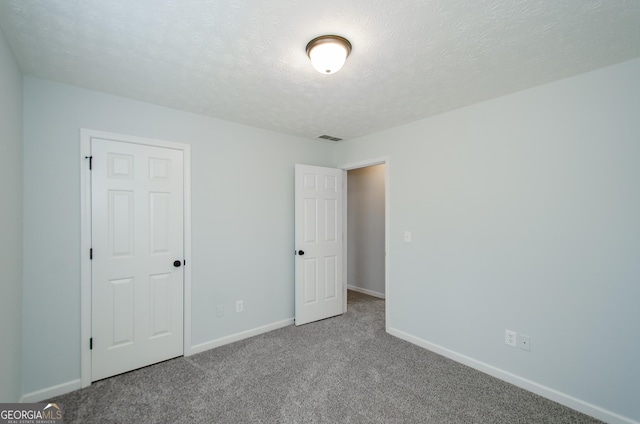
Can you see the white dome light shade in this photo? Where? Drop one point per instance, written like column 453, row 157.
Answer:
column 328, row 53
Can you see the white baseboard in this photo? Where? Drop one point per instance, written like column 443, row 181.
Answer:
column 366, row 291
column 554, row 395
column 61, row 389
column 237, row 337
column 51, row 392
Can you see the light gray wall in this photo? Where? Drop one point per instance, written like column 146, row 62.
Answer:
column 523, row 211
column 10, row 225
column 242, row 218
column 365, row 228
column 525, row 216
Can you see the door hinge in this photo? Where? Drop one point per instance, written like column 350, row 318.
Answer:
column 91, row 254
column 90, row 161
column 91, row 343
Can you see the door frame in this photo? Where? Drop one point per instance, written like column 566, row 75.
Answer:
column 383, row 160
column 85, row 239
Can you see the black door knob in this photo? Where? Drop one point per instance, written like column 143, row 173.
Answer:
column 177, row 264
column 300, row 252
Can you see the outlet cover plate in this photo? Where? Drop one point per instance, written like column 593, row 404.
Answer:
column 511, row 338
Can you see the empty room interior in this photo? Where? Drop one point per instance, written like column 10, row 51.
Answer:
column 472, row 166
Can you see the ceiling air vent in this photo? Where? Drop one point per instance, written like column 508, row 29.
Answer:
column 328, row 137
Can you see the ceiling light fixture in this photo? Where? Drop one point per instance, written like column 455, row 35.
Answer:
column 328, row 53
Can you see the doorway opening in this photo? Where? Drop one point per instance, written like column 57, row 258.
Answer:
column 365, row 230
column 366, row 221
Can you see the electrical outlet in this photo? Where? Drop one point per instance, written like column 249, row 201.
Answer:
column 239, row 306
column 407, row 236
column 525, row 342
column 511, row 338
column 220, row 311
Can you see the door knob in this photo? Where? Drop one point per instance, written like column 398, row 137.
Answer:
column 300, row 252
column 177, row 264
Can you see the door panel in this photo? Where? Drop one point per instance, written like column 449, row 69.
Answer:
column 120, row 216
column 120, row 301
column 318, row 227
column 159, row 222
column 160, row 305
column 330, row 277
column 310, row 280
column 137, row 234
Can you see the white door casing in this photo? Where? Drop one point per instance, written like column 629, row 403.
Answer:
column 385, row 160
column 137, row 226
column 319, row 287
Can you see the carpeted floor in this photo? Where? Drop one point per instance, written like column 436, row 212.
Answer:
column 340, row 370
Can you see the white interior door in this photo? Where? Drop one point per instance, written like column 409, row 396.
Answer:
column 318, row 234
column 137, row 244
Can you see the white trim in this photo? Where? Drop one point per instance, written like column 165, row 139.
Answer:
column 85, row 263
column 68, row 387
column 186, row 350
column 516, row 380
column 345, row 239
column 85, row 240
column 239, row 336
column 362, row 164
column 51, row 392
column 366, row 291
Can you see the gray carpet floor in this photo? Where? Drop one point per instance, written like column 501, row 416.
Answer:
column 345, row 369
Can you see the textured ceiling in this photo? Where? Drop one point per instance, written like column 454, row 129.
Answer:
column 244, row 60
